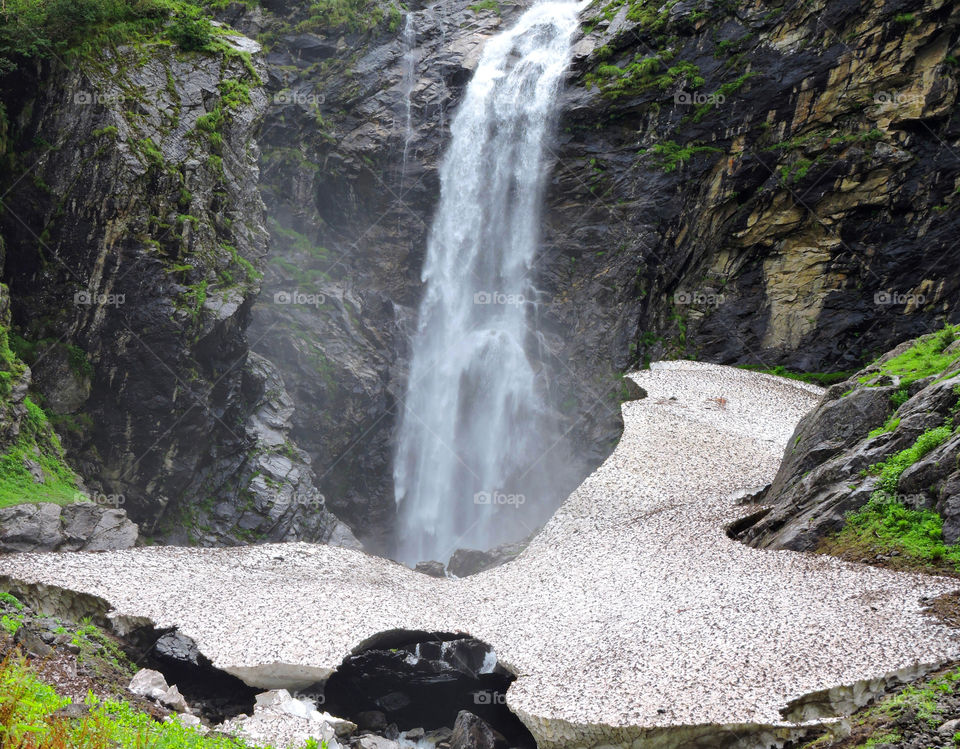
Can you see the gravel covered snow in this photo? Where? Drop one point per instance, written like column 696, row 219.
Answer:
column 631, row 618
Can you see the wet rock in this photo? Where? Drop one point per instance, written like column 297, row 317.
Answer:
column 824, row 474
column 432, row 568
column 372, row 741
column 371, row 720
column 178, row 647
column 471, row 732
column 466, row 562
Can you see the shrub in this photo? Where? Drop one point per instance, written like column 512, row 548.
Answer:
column 191, row 33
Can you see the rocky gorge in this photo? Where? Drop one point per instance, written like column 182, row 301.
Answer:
column 215, row 225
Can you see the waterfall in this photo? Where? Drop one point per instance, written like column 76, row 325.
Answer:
column 408, row 82
column 475, row 464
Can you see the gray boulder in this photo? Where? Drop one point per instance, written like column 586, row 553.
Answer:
column 82, row 526
column 471, row 732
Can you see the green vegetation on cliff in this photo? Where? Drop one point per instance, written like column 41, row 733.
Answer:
column 886, row 526
column 32, row 466
column 64, row 28
column 928, row 356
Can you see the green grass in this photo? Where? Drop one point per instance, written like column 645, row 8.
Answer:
column 886, row 525
column 824, row 379
column 27, row 707
column 892, row 423
column 36, row 440
column 642, row 74
column 923, row 699
column 927, row 357
column 486, row 5
column 38, row 443
column 349, row 15
column 893, row 467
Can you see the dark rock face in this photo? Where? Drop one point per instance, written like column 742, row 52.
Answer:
column 132, row 252
column 803, row 217
column 83, row 526
column 759, row 185
column 822, row 476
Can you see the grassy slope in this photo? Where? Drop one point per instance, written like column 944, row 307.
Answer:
column 36, row 442
column 30, row 698
column 885, row 529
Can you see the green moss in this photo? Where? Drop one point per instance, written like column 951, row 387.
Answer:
column 672, row 155
column 921, row 700
column 642, row 74
column 486, row 5
column 893, row 467
column 234, row 93
column 152, row 155
column 927, row 357
column 109, row 131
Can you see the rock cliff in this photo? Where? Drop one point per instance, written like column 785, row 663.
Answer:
column 744, row 184
column 885, row 440
column 134, row 235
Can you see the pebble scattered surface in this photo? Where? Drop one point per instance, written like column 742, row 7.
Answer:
column 631, row 614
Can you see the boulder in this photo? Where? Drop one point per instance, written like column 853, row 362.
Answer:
column 371, row 720
column 471, row 732
column 466, row 562
column 372, row 741
column 150, row 684
column 431, row 568
column 82, row 526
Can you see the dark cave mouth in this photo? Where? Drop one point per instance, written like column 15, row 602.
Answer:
column 401, row 682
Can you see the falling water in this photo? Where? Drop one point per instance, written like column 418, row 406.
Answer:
column 407, row 83
column 474, row 457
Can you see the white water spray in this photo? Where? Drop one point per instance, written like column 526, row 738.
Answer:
column 474, row 461
column 409, row 80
